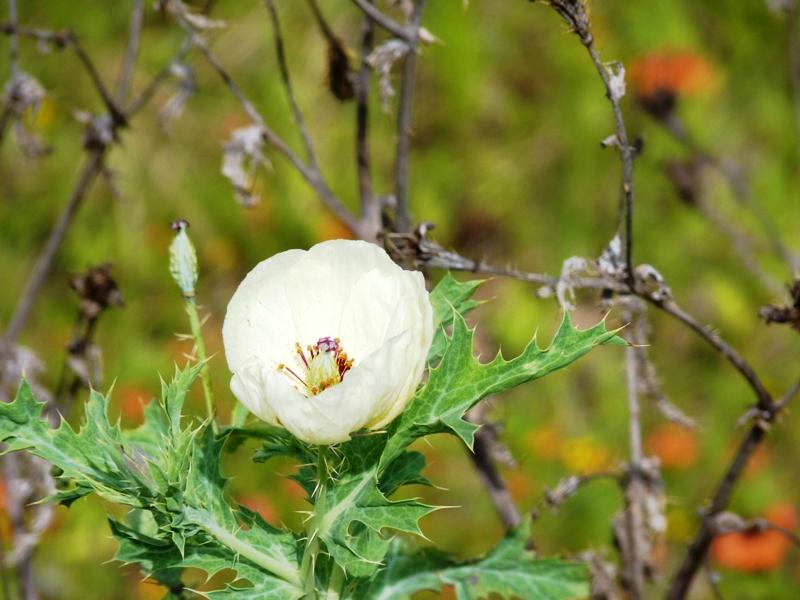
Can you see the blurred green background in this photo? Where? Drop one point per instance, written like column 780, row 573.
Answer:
column 509, row 112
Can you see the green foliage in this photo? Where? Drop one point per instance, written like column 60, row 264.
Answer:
column 170, row 475
column 448, row 298
column 461, row 381
column 509, row 570
column 369, row 468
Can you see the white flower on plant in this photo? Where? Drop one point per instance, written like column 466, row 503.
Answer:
column 329, row 341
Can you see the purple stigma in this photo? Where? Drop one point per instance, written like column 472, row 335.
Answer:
column 179, row 224
column 327, row 344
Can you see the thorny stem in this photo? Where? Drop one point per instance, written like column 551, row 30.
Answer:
column 65, row 393
column 281, row 569
column 287, row 82
column 404, row 121
column 308, row 564
column 487, row 472
column 575, row 15
column 115, row 112
column 634, row 488
column 335, row 583
column 435, row 256
column 702, row 540
column 197, row 334
column 765, row 401
column 370, row 211
column 131, row 52
column 393, row 27
column 147, row 93
column 626, row 155
column 742, row 193
column 311, row 174
column 13, row 39
column 794, row 59
column 91, row 168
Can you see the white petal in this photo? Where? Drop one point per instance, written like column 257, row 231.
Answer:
column 345, row 289
column 259, row 320
column 306, row 418
column 247, row 385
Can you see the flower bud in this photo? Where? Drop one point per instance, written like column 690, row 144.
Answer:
column 183, row 259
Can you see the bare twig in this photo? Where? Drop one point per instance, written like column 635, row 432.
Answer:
column 424, row 251
column 496, row 487
column 59, row 38
column 147, row 93
column 69, row 39
column 575, row 15
column 13, row 39
column 793, row 47
column 97, row 290
column 741, row 192
column 789, row 395
column 326, row 30
column 91, row 168
column 702, row 540
column 370, row 209
column 131, row 52
column 393, row 27
column 742, row 245
column 712, row 578
column 633, row 569
column 298, row 115
column 765, row 401
column 403, row 222
column 111, row 106
column 312, row 175
column 567, row 488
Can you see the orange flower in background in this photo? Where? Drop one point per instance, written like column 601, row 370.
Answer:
column 678, row 72
column 331, row 228
column 757, row 551
column 260, row 504
column 675, row 446
column 150, row 589
column 520, row 485
column 132, row 400
column 545, row 442
column 585, row 455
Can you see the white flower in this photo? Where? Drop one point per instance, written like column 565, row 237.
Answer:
column 329, row 341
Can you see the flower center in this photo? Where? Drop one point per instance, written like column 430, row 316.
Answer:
column 325, row 364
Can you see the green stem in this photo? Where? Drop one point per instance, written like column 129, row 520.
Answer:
column 197, row 333
column 311, row 552
column 281, row 569
column 335, row 583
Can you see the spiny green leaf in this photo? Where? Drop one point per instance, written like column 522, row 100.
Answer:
column 97, row 457
column 207, row 509
column 357, row 511
column 151, row 436
column 509, row 570
column 211, row 557
column 406, row 469
column 174, row 394
column 461, row 381
column 450, row 295
column 277, row 442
